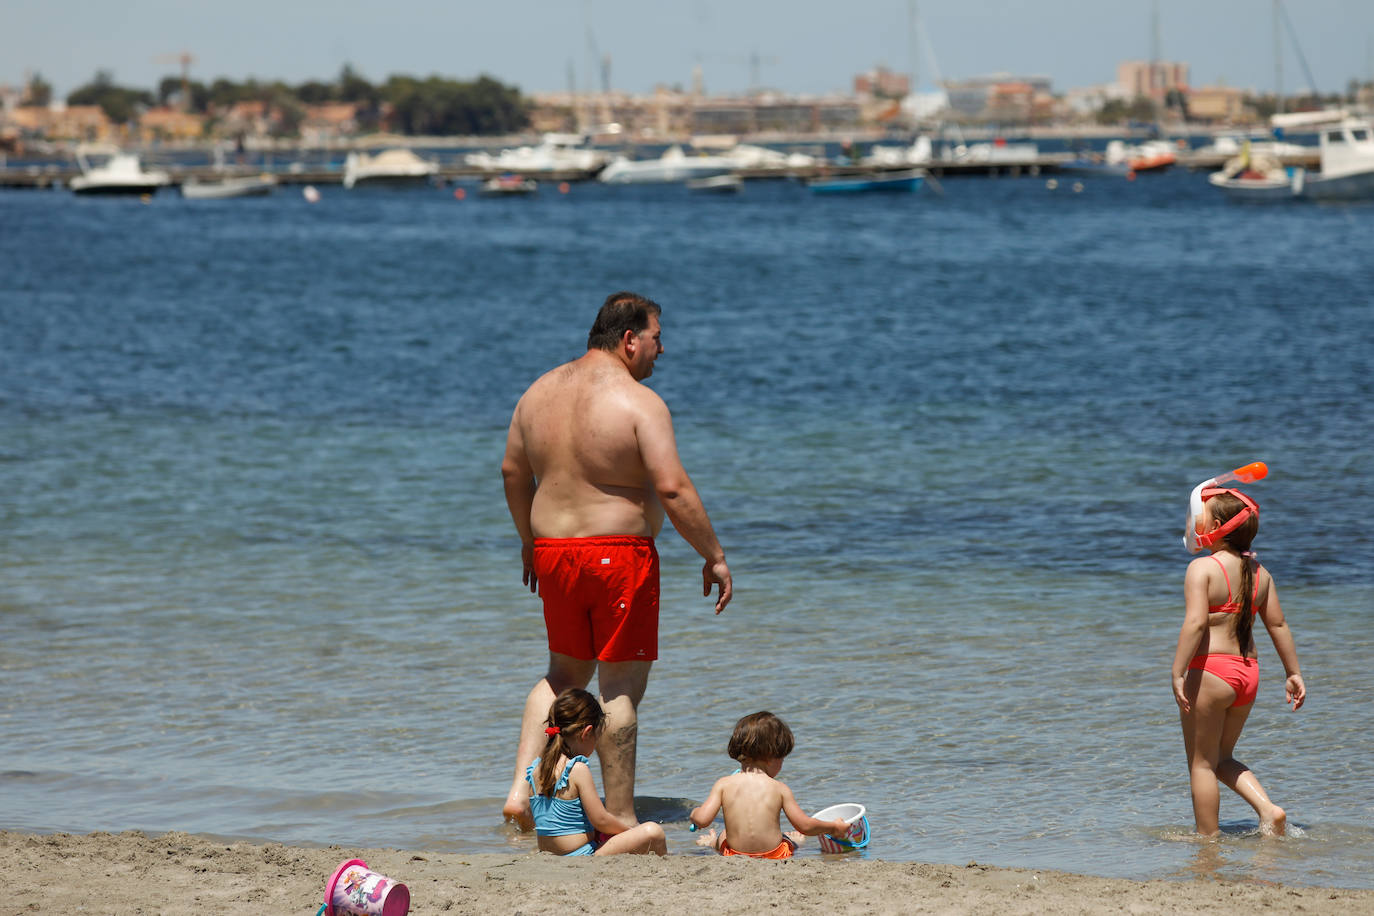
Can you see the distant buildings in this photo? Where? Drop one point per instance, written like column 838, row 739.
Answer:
column 880, row 99
column 1151, row 79
column 60, row 122
column 1001, row 98
column 1218, row 105
column 670, row 113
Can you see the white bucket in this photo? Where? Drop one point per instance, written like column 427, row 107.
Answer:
column 856, row 816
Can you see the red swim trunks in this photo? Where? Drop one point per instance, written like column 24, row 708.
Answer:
column 600, row 596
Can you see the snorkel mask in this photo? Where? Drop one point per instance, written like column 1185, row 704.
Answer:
column 1193, row 537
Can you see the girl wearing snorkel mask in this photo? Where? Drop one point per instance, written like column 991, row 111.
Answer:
column 1215, row 670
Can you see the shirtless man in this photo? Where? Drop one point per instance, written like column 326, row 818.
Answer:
column 591, row 466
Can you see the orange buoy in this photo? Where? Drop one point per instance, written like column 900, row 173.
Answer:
column 564, row 187
column 459, row 193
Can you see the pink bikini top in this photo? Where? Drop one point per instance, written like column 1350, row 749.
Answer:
column 1232, row 606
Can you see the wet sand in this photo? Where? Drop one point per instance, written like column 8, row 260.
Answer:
column 131, row 873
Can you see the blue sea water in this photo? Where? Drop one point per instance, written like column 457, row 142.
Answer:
column 258, row 578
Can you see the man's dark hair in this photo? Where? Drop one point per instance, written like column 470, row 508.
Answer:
column 620, row 312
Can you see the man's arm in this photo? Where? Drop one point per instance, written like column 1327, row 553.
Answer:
column 677, row 495
column 518, row 478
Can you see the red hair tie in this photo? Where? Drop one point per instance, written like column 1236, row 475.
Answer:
column 553, row 730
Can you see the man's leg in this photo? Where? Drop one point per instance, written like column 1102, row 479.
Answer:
column 622, row 687
column 564, row 672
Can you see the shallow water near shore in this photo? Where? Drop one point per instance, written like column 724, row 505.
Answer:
column 259, row 579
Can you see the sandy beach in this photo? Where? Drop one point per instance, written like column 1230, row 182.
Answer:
column 132, row 873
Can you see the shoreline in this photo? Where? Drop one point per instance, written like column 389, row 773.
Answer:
column 176, row 872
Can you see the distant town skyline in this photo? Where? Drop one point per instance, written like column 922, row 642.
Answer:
column 799, row 46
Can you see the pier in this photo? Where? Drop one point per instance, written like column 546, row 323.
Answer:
column 55, row 177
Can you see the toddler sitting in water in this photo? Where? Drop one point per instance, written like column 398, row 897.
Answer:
column 753, row 798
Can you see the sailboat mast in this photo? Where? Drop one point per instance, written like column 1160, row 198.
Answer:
column 1278, row 63
column 911, row 46
column 1157, row 80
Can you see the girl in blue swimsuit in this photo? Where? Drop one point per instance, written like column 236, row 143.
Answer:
column 1215, row 671
column 568, row 812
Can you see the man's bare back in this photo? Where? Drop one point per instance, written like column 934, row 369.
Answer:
column 580, row 428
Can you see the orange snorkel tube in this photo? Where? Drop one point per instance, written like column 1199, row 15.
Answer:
column 1193, row 539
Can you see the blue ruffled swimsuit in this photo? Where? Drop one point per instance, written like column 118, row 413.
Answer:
column 555, row 816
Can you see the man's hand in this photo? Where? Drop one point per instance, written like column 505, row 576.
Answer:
column 527, row 560
column 713, row 573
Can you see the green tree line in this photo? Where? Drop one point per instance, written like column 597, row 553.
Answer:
column 433, row 106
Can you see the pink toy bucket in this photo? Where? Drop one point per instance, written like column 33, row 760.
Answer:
column 856, row 816
column 356, row 890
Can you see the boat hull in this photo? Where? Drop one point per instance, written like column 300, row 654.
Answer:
column 389, row 181
column 653, row 173
column 1254, row 190
column 861, row 184
column 1301, row 186
column 229, row 187
column 109, row 189
column 717, row 184
column 1359, row 186
column 499, row 187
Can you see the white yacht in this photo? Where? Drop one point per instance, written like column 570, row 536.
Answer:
column 673, row 165
column 920, row 152
column 394, row 167
column 122, row 173
column 555, row 153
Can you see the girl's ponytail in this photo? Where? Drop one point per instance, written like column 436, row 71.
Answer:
column 1223, row 506
column 1245, row 626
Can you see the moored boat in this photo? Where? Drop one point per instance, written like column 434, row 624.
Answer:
column 555, row 152
column 907, row 180
column 391, row 168
column 1347, row 164
column 508, row 186
column 673, row 165
column 1253, row 177
column 1346, row 147
column 122, row 173
column 229, row 186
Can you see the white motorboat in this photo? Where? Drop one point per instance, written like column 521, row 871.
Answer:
column 1347, row 164
column 750, row 156
column 1253, row 177
column 229, row 186
column 920, row 152
column 998, row 152
column 673, row 165
column 393, row 168
column 1233, row 143
column 122, row 173
column 555, row 153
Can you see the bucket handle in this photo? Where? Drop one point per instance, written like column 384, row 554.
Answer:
column 842, row 841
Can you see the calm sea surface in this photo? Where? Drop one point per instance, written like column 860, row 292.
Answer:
column 258, row 578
